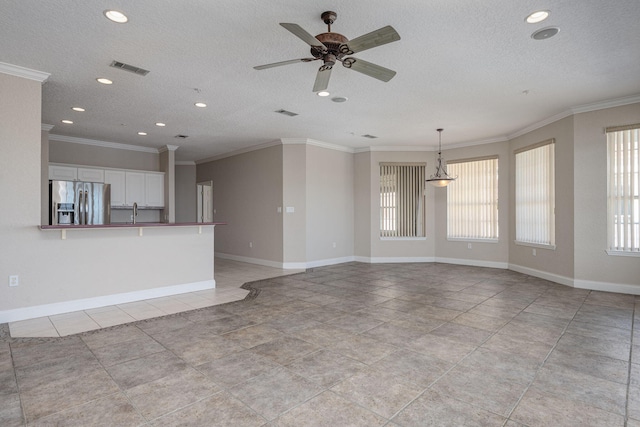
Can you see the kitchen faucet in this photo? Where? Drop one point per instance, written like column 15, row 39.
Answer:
column 135, row 211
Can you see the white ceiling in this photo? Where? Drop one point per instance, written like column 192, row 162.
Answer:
column 468, row 66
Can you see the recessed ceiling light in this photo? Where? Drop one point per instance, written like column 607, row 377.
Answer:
column 69, row 122
column 538, row 16
column 200, row 104
column 80, row 109
column 142, row 133
column 545, row 33
column 160, row 124
column 323, row 93
column 104, row 81
column 116, row 16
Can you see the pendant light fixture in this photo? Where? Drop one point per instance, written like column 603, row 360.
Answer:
column 441, row 178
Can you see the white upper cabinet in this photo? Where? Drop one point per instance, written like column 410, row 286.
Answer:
column 154, row 189
column 117, row 180
column 135, row 188
column 63, row 173
column 90, row 175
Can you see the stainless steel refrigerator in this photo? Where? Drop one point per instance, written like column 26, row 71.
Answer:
column 79, row 203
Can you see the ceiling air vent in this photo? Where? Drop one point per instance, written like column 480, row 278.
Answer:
column 130, row 68
column 286, row 113
column 181, row 136
column 369, row 136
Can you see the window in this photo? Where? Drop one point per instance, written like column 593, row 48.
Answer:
column 472, row 200
column 623, row 187
column 402, row 199
column 535, row 194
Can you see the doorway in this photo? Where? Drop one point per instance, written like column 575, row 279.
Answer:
column 205, row 201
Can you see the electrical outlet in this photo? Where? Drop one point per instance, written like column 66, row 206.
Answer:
column 14, row 280
column 250, row 244
column 468, row 245
column 334, row 244
column 534, row 251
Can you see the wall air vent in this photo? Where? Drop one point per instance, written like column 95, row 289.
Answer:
column 369, row 136
column 181, row 136
column 130, row 68
column 286, row 113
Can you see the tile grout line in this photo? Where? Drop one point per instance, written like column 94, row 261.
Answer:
column 626, row 406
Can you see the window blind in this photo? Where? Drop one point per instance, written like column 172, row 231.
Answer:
column 535, row 194
column 402, row 200
column 472, row 201
column 623, row 188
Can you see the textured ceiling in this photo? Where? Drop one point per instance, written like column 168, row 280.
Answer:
column 467, row 66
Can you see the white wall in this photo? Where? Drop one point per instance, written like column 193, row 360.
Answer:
column 593, row 266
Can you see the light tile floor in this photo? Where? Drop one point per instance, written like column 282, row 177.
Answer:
column 229, row 276
column 352, row 344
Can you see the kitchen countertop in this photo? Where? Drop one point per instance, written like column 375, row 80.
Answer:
column 129, row 225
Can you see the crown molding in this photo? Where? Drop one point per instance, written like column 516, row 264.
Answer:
column 393, row 148
column 168, row 148
column 618, row 102
column 540, row 124
column 105, row 144
column 273, row 143
column 45, row 127
column 27, row 73
column 185, row 163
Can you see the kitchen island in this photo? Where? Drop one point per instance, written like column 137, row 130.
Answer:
column 90, row 266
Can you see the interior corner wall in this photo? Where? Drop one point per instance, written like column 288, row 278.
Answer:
column 294, row 205
column 329, row 205
column 186, row 197
column 362, row 198
column 400, row 250
column 593, row 266
column 555, row 264
column 44, row 177
column 489, row 254
column 247, row 190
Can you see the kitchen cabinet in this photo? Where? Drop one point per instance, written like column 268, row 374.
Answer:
column 90, row 175
column 117, row 180
column 154, row 189
column 63, row 173
column 135, row 188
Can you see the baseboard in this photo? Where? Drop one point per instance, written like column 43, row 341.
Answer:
column 620, row 288
column 473, row 262
column 266, row 263
column 332, row 261
column 25, row 313
column 392, row 260
column 563, row 280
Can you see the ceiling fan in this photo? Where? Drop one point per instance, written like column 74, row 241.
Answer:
column 332, row 47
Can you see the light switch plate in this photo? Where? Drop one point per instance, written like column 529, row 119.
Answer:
column 291, row 209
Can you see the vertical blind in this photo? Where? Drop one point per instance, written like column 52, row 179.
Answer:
column 623, row 200
column 472, row 201
column 535, row 194
column 402, row 199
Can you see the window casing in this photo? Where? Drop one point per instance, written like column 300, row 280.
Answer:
column 535, row 194
column 472, row 200
column 623, row 168
column 402, row 200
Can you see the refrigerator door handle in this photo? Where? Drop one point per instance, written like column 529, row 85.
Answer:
column 81, row 206
column 86, row 207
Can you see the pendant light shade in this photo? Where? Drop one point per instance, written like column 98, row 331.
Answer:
column 441, row 178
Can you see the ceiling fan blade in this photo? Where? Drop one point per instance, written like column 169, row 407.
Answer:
column 303, row 35
column 368, row 68
column 278, row 64
column 375, row 38
column 322, row 79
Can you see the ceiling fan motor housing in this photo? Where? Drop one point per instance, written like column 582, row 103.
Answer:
column 332, row 41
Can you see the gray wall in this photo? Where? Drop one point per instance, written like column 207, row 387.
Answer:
column 186, row 204
column 592, row 263
column 556, row 262
column 247, row 190
column 92, row 155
